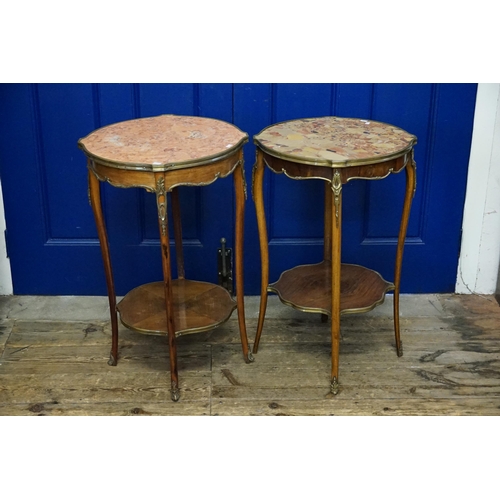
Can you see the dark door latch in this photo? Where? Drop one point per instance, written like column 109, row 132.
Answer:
column 225, row 266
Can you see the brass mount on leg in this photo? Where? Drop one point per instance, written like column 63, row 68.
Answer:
column 337, row 190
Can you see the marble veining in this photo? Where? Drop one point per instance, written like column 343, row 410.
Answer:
column 165, row 139
column 334, row 140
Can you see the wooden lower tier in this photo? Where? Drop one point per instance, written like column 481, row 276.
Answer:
column 309, row 288
column 198, row 307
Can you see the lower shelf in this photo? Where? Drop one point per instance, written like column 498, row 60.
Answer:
column 198, row 307
column 309, row 288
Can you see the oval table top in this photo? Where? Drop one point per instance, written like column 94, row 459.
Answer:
column 163, row 142
column 334, row 141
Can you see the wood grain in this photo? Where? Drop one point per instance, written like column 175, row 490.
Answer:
column 302, row 171
column 451, row 366
column 258, row 178
column 197, row 306
column 309, row 288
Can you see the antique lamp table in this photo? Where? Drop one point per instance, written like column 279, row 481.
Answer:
column 335, row 150
column 159, row 154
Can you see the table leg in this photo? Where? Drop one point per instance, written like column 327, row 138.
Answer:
column 161, row 201
column 327, row 248
column 239, row 189
column 95, row 201
column 336, row 243
column 176, row 215
column 258, row 177
column 410, row 191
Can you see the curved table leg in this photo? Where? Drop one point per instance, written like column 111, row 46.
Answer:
column 176, row 215
column 161, row 201
column 327, row 247
column 336, row 217
column 410, row 191
column 240, row 195
column 95, row 201
column 258, row 195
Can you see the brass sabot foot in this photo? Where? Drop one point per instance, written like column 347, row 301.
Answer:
column 400, row 349
column 175, row 394
column 250, row 358
column 334, row 386
column 112, row 360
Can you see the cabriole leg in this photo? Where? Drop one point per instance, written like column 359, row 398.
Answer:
column 258, row 177
column 336, row 211
column 161, row 201
column 95, row 202
column 240, row 195
column 410, row 191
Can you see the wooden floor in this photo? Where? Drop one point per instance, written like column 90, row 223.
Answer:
column 451, row 366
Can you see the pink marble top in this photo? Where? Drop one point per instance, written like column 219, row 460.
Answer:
column 163, row 140
column 334, row 140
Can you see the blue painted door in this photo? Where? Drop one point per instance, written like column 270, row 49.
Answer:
column 51, row 237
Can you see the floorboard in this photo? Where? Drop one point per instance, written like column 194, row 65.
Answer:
column 451, row 366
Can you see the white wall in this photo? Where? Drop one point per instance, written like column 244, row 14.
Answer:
column 480, row 252
column 5, row 275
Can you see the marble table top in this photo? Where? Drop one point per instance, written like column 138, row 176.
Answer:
column 331, row 140
column 163, row 141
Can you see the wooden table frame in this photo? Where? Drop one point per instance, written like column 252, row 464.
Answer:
column 161, row 182
column 334, row 178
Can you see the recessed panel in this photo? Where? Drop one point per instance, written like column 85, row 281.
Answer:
column 383, row 209
column 117, row 102
column 167, row 98
column 63, row 114
column 353, row 100
column 293, row 100
column 410, row 107
column 296, row 208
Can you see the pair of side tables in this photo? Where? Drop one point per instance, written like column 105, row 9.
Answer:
column 162, row 153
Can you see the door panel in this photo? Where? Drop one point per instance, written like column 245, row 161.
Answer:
column 51, row 235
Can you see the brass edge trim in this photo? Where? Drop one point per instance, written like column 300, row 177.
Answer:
column 298, row 178
column 332, row 164
column 164, row 167
column 390, row 171
column 414, row 166
column 294, row 306
column 361, row 310
column 180, row 332
column 389, row 287
column 102, row 178
column 329, row 163
column 295, row 177
column 217, row 176
column 377, row 178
